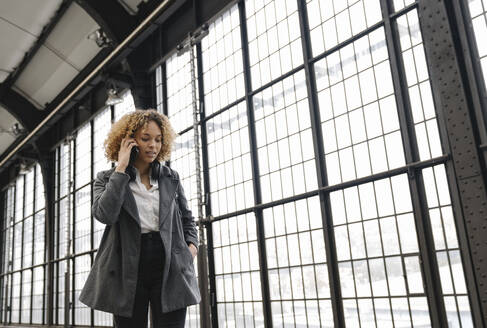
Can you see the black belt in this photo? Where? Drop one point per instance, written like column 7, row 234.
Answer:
column 151, row 235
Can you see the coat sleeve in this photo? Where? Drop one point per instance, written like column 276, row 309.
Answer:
column 108, row 196
column 189, row 226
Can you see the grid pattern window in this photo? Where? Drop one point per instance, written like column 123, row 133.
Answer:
column 82, row 224
column 19, row 198
column 29, row 193
column 126, row 106
column 284, row 140
column 222, row 62
column 378, row 255
column 63, row 214
column 400, row 4
column 82, row 313
column 15, row 298
column 274, row 39
column 38, row 295
column 446, row 247
column 297, row 265
column 360, row 125
column 229, row 161
column 27, row 243
column 183, row 161
column 82, row 206
column 7, row 238
column 40, row 201
column 102, row 124
column 478, row 13
column 59, row 292
column 19, row 214
column 159, row 86
column 82, row 175
column 103, row 318
column 179, row 91
column 237, row 272
column 333, row 22
column 420, row 95
column 26, row 296
column 39, row 237
column 19, row 246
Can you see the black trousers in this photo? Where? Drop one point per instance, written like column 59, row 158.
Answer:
column 148, row 289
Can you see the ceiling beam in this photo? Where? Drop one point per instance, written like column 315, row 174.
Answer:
column 112, row 17
column 21, row 108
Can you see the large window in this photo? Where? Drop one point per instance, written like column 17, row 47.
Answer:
column 23, row 241
column 478, row 12
column 320, row 132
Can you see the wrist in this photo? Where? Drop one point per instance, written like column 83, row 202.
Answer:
column 120, row 168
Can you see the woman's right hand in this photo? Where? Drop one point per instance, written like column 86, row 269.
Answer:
column 124, row 153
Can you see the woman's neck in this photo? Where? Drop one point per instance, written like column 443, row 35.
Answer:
column 142, row 167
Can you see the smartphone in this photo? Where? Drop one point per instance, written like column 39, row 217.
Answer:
column 133, row 155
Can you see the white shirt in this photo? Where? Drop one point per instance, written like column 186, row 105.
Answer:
column 147, row 201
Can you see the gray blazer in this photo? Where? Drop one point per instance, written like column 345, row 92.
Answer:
column 110, row 286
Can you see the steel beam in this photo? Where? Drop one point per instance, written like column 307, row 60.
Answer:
column 451, row 93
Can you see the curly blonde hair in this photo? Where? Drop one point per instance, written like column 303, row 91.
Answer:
column 128, row 125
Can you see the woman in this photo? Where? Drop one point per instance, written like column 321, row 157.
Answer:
column 150, row 240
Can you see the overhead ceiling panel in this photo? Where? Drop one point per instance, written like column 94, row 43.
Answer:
column 69, row 39
column 21, row 23
column 64, row 54
column 44, row 77
column 6, row 123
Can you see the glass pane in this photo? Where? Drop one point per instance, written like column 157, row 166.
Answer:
column 222, row 61
column 377, row 248
column 237, row 272
column 83, row 156
column 179, row 91
column 332, row 22
column 360, row 125
column 296, row 259
column 274, row 39
column 422, row 106
column 284, row 139
column 126, row 106
column 229, row 161
column 478, row 14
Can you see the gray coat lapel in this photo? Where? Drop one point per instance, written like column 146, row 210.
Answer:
column 130, row 205
column 167, row 191
column 129, row 200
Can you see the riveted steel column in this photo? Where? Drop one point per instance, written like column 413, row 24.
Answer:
column 450, row 92
column 429, row 264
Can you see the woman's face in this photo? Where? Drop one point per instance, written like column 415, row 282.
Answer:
column 149, row 139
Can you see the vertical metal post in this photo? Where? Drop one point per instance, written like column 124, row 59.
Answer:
column 9, row 261
column 453, row 97
column 67, row 272
column 325, row 206
column 429, row 263
column 203, row 254
column 207, row 271
column 255, row 169
column 189, row 45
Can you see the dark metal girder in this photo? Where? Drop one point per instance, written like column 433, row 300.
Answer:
column 21, row 108
column 114, row 20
